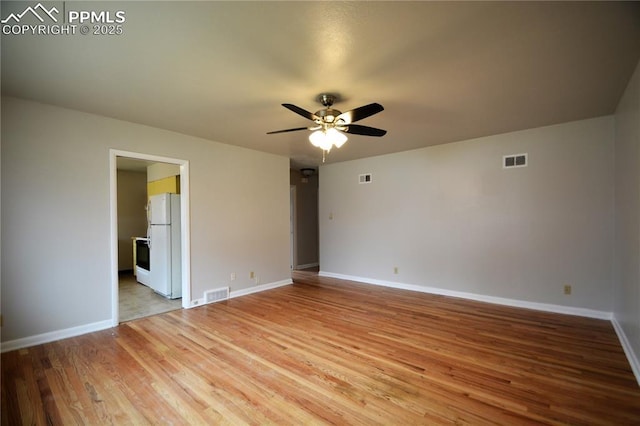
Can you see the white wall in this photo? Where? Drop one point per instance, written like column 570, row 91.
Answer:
column 627, row 188
column 450, row 217
column 55, row 214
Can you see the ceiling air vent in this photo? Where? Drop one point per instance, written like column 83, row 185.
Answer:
column 364, row 178
column 517, row 160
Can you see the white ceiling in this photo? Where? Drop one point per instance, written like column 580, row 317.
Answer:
column 444, row 71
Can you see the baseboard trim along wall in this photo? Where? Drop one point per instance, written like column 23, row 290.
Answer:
column 559, row 309
column 55, row 335
column 103, row 325
column 259, row 288
column 307, row 265
column 39, row 339
column 589, row 313
column 628, row 350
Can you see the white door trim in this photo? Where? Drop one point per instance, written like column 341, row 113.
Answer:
column 293, row 235
column 185, row 223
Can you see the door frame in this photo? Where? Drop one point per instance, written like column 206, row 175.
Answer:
column 293, row 234
column 185, row 223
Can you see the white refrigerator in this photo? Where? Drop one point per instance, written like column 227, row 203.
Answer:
column 165, row 272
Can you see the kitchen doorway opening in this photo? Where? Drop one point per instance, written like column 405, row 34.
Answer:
column 130, row 298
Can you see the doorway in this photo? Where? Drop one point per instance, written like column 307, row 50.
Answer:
column 304, row 233
column 292, row 227
column 130, row 299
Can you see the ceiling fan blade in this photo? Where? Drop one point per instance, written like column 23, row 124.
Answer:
column 287, row 130
column 355, row 129
column 303, row 112
column 360, row 113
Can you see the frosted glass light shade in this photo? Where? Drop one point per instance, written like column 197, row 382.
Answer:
column 325, row 139
column 336, row 137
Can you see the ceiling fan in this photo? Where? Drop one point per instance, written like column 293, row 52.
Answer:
column 331, row 124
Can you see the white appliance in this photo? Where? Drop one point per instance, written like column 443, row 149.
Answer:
column 142, row 261
column 165, row 272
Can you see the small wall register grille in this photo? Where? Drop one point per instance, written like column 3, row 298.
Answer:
column 516, row 160
column 364, row 178
column 216, row 295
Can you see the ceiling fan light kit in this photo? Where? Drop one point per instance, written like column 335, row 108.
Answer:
column 326, row 139
column 331, row 125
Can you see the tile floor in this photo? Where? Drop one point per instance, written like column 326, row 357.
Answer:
column 137, row 300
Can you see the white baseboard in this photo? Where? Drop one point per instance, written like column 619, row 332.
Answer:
column 590, row 313
column 307, row 265
column 259, row 288
column 628, row 350
column 559, row 309
column 55, row 335
column 102, row 325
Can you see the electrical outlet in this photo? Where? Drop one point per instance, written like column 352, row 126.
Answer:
column 567, row 289
column 395, row 269
column 233, row 276
column 252, row 275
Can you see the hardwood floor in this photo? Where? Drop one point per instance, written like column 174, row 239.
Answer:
column 325, row 351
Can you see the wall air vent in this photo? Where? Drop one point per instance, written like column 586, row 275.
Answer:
column 216, row 295
column 364, row 178
column 517, row 160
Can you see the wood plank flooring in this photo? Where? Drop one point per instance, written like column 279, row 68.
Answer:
column 325, row 351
